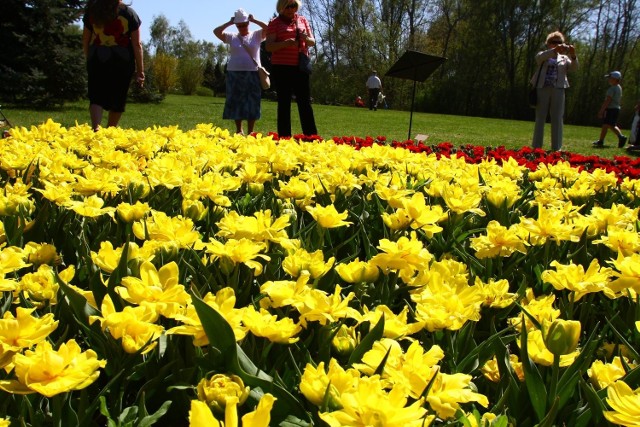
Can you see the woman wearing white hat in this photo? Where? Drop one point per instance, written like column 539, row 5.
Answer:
column 243, row 83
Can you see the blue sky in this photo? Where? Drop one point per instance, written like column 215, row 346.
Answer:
column 201, row 16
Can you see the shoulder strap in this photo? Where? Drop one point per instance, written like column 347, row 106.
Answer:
column 248, row 52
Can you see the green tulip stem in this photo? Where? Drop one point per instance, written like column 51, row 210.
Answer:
column 555, row 374
column 57, row 403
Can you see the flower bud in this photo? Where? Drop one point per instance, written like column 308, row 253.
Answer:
column 44, row 253
column 256, row 188
column 130, row 213
column 562, row 336
column 344, row 341
column 139, row 190
column 194, row 209
column 219, row 388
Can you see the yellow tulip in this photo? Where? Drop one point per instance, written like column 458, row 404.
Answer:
column 50, row 372
column 131, row 213
column 369, row 404
column 262, row 415
column 218, row 389
column 301, row 261
column 41, row 286
column 345, row 340
column 328, row 216
column 200, row 415
column 41, row 253
column 264, row 324
column 540, row 354
column 23, row 331
column 358, row 271
column 604, row 374
column 157, row 289
column 625, row 403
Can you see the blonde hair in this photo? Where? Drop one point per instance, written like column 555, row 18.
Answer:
column 282, row 4
column 555, row 34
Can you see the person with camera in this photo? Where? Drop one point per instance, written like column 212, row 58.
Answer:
column 550, row 80
column 289, row 37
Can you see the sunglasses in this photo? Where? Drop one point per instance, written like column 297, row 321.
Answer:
column 242, row 25
column 291, row 6
column 555, row 42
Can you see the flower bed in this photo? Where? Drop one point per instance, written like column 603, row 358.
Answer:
column 186, row 277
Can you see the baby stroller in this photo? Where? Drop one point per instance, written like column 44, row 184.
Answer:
column 5, row 125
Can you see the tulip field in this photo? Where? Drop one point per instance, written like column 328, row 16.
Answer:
column 201, row 278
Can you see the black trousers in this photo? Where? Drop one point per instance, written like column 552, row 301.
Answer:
column 289, row 81
column 373, row 98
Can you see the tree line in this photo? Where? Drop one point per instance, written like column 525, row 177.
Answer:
column 489, row 45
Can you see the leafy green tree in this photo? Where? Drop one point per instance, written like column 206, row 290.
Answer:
column 41, row 60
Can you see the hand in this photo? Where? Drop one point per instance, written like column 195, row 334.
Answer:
column 251, row 17
column 140, row 78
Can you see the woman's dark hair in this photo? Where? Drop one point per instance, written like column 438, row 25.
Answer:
column 103, row 11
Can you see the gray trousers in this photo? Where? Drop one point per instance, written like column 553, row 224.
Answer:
column 550, row 102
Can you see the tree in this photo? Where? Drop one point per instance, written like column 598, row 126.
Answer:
column 41, row 60
column 164, row 68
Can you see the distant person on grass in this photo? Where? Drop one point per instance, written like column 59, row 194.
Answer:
column 610, row 110
column 553, row 64
column 374, row 87
column 113, row 51
column 244, row 92
column 289, row 36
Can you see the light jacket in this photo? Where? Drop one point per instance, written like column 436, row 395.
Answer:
column 565, row 65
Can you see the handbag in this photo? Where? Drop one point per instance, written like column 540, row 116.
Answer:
column 304, row 63
column 533, row 92
column 265, row 81
column 263, row 74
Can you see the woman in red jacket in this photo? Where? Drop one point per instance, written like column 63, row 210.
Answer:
column 288, row 35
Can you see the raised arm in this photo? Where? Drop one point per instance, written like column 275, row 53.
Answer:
column 259, row 23
column 218, row 31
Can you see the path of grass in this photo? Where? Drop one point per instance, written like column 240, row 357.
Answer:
column 187, row 111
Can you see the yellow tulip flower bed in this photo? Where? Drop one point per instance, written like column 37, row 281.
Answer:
column 198, row 278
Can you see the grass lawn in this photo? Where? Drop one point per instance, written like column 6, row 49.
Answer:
column 187, row 111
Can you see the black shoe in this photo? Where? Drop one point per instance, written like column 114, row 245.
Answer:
column 633, row 148
column 598, row 143
column 621, row 141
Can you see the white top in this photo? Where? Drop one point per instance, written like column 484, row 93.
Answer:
column 374, row 82
column 239, row 59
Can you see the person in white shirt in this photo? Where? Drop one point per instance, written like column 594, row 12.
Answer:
column 244, row 92
column 374, row 86
column 550, row 80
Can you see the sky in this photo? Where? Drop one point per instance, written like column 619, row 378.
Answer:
column 201, row 16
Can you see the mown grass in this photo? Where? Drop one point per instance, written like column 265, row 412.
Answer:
column 188, row 111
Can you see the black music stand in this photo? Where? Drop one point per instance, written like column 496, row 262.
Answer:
column 415, row 66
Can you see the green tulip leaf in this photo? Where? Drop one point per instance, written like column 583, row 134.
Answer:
column 367, row 342
column 532, row 378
